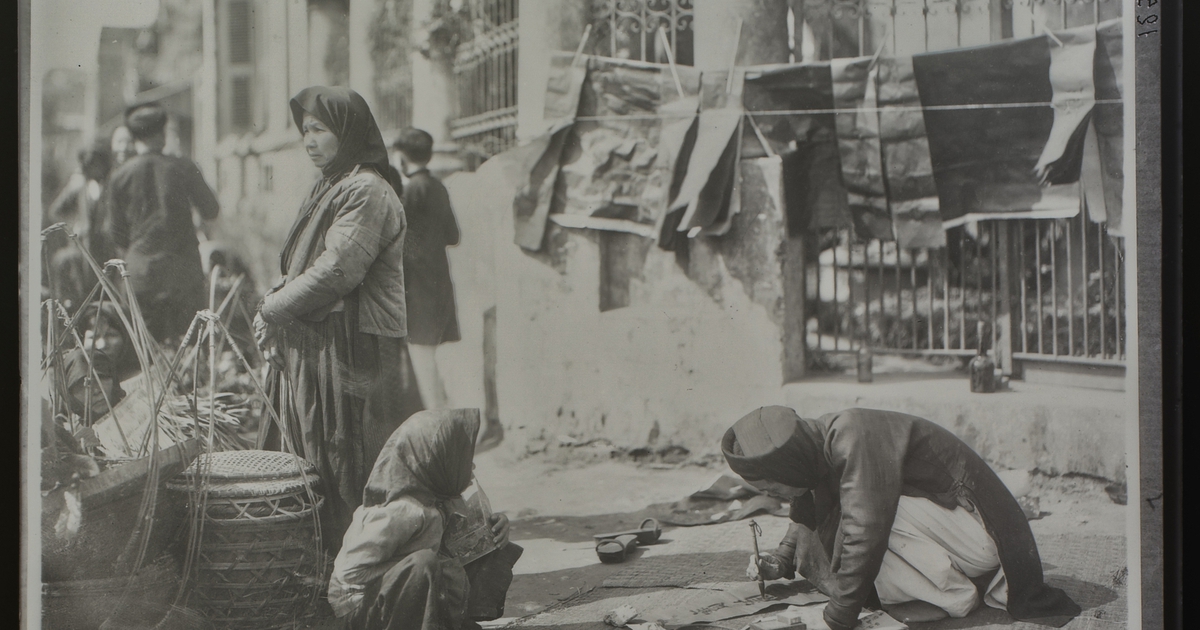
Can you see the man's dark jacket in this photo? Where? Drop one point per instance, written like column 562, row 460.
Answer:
column 864, row 461
column 147, row 214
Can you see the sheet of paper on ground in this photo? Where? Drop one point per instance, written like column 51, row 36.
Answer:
column 736, row 601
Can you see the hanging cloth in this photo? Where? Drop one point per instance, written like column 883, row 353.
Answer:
column 1072, row 59
column 1103, row 175
column 807, row 143
column 532, row 202
column 984, row 157
column 705, row 193
column 678, row 140
column 854, row 95
column 614, row 173
column 908, row 170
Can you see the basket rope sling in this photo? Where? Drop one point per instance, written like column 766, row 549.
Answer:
column 259, row 562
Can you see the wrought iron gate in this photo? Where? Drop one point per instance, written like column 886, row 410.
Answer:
column 485, row 70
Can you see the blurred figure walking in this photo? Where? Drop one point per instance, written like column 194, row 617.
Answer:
column 76, row 206
column 121, row 145
column 147, row 212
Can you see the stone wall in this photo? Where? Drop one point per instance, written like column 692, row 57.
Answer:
column 697, row 349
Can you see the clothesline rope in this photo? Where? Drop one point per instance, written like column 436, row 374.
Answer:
column 813, row 112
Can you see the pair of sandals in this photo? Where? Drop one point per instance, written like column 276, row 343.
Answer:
column 615, row 547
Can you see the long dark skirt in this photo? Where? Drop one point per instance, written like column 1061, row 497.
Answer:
column 341, row 396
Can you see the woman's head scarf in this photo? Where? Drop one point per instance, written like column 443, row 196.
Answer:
column 429, row 458
column 776, row 444
column 347, row 115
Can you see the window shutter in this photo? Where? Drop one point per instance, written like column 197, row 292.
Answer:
column 240, row 26
column 241, row 103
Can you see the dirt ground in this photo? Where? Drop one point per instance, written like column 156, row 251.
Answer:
column 559, row 499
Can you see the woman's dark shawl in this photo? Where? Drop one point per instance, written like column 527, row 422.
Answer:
column 360, row 143
column 347, row 115
column 428, row 458
column 864, row 460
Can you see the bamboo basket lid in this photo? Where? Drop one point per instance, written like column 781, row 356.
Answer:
column 227, row 466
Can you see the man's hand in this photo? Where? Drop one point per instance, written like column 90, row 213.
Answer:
column 766, row 565
column 500, row 528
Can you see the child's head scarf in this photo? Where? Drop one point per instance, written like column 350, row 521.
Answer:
column 430, row 458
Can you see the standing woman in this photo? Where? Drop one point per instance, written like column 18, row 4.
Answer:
column 334, row 328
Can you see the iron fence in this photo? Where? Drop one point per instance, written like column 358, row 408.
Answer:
column 627, row 29
column 1032, row 288
column 1046, row 289
column 485, row 71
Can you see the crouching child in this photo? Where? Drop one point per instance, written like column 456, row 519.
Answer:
column 394, row 570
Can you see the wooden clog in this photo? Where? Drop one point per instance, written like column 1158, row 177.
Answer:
column 647, row 533
column 614, row 550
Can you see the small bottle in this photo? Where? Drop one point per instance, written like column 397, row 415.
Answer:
column 865, row 366
column 982, row 369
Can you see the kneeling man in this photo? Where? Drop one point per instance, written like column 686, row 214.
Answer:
column 890, row 509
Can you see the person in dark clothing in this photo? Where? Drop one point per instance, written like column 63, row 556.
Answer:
column 429, row 291
column 889, row 509
column 147, row 211
column 77, row 204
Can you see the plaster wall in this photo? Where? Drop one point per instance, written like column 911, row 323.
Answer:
column 693, row 348
column 260, row 195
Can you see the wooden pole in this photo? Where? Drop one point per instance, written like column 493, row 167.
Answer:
column 662, row 30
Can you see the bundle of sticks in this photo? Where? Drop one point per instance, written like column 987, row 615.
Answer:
column 183, row 417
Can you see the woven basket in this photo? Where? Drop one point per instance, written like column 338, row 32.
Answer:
column 248, row 466
column 259, row 561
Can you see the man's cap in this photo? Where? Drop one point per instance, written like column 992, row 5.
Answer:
column 145, row 121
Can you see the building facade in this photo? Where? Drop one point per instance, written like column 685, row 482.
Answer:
column 600, row 334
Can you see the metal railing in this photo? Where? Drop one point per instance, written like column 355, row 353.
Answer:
column 626, row 29
column 1044, row 289
column 1036, row 289
column 485, row 71
column 1071, row 290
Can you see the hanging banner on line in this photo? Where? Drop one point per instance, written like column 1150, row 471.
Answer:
column 912, row 193
column 854, row 95
column 807, row 143
column 618, row 160
column 534, row 198
column 1107, row 172
column 984, row 154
